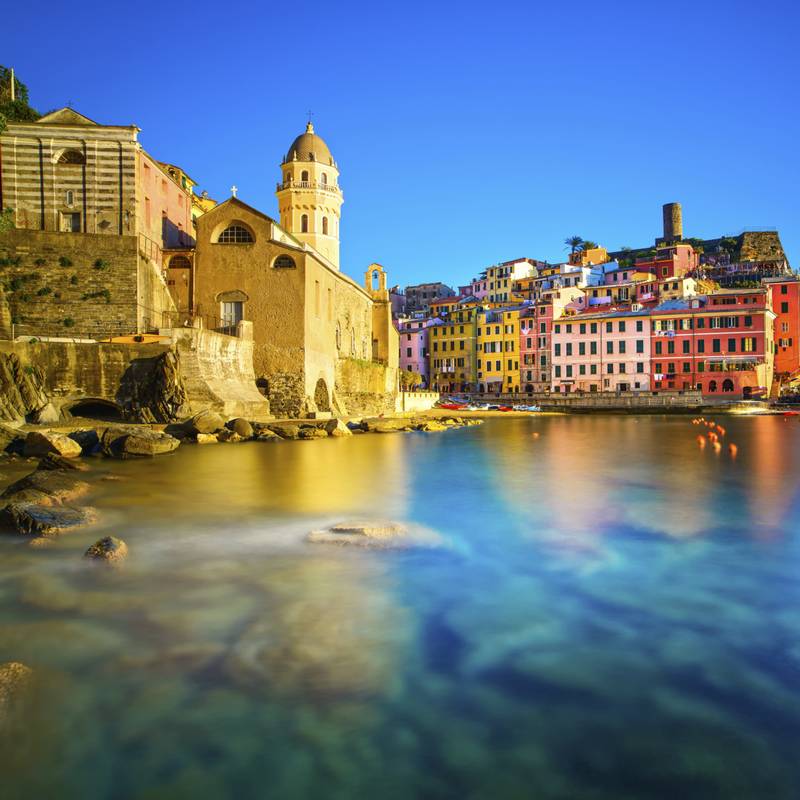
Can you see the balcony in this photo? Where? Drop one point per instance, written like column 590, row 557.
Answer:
column 314, row 185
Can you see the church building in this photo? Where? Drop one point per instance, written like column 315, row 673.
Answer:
column 322, row 342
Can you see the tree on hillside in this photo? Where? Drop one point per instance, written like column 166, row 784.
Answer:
column 573, row 242
column 18, row 109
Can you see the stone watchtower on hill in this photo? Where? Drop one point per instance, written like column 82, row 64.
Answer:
column 309, row 197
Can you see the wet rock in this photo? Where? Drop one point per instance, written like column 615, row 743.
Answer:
column 60, row 486
column 152, row 390
column 15, row 678
column 376, row 534
column 355, row 426
column 88, row 439
column 136, row 442
column 381, row 425
column 205, row 422
column 11, row 440
column 35, row 519
column 40, row 443
column 312, row 432
column 227, row 435
column 335, row 427
column 207, row 438
column 21, row 388
column 285, row 430
column 242, row 427
column 266, row 435
column 432, row 425
column 177, row 431
column 46, row 415
column 109, row 550
column 54, row 461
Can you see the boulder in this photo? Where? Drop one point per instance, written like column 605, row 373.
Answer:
column 227, row 435
column 15, row 678
column 382, row 425
column 207, row 438
column 60, row 486
column 55, row 461
column 205, row 422
column 285, row 430
column 46, row 415
column 432, row 425
column 130, row 442
column 108, row 550
column 266, row 435
column 35, row 519
column 40, row 443
column 240, row 426
column 88, row 439
column 312, row 432
column 335, row 427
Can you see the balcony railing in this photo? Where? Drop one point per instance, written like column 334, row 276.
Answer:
column 328, row 187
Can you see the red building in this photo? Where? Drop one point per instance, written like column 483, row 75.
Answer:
column 669, row 262
column 785, row 293
column 721, row 344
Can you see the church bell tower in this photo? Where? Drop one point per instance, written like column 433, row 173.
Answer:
column 309, row 197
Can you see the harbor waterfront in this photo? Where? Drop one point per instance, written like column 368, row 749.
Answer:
column 599, row 609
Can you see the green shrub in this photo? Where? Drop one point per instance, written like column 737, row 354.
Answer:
column 64, row 261
column 96, row 295
column 74, row 280
column 69, row 322
column 100, row 264
column 40, row 262
column 43, row 291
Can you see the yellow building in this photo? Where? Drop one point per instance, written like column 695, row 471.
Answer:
column 497, row 340
column 452, row 351
column 309, row 197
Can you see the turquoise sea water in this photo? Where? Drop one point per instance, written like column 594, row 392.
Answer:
column 613, row 614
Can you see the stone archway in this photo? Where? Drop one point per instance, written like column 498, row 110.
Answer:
column 322, row 397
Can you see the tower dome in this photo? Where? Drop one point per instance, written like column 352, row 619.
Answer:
column 309, row 147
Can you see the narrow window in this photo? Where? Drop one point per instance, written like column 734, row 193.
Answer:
column 325, row 226
column 304, row 176
column 304, row 223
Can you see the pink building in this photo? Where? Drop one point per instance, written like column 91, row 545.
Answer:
column 414, row 346
column 601, row 351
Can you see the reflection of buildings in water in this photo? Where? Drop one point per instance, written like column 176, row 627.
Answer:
column 331, row 629
column 770, row 459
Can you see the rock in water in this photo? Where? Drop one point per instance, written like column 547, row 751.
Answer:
column 35, row 519
column 15, row 678
column 109, row 550
column 312, row 432
column 58, row 485
column 129, row 442
column 207, row 438
column 227, row 435
column 242, row 427
column 205, row 422
column 285, row 431
column 376, row 534
column 335, row 427
column 54, row 461
column 40, row 443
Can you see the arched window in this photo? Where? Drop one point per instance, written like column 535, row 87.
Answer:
column 325, row 226
column 235, row 234
column 323, row 179
column 71, row 157
column 284, row 262
column 712, row 386
column 304, row 176
column 727, row 385
column 69, row 199
column 304, row 223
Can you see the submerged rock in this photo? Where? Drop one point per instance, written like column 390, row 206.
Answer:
column 36, row 519
column 109, row 550
column 53, row 461
column 40, row 443
column 376, row 534
column 15, row 678
column 241, row 427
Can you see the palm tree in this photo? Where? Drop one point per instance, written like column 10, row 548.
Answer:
column 587, row 245
column 573, row 242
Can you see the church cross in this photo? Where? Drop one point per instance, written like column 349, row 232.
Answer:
column 234, row 189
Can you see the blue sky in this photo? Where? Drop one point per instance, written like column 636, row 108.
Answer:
column 466, row 134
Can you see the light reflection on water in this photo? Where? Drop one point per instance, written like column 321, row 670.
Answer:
column 613, row 615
